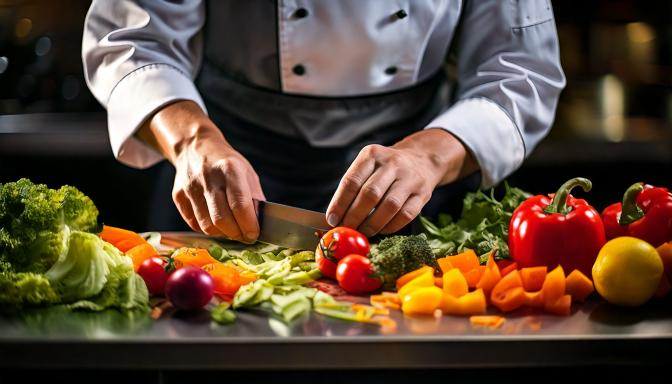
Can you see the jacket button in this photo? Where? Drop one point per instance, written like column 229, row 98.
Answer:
column 299, row 70
column 401, row 14
column 391, row 70
column 301, row 13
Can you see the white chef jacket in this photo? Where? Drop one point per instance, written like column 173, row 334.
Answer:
column 140, row 55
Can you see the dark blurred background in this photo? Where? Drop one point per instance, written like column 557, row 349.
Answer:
column 614, row 121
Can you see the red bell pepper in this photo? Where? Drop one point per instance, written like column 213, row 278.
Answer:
column 563, row 231
column 645, row 213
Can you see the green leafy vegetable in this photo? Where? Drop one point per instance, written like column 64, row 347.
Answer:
column 48, row 254
column 483, row 224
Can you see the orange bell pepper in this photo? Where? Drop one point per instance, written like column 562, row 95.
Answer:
column 533, row 278
column 554, row 286
column 561, row 306
column 424, row 280
column 422, row 301
column 509, row 268
column 140, row 253
column 454, row 283
column 194, row 257
column 473, row 276
column 471, row 303
column 465, row 261
column 490, row 277
column 487, row 321
column 510, row 299
column 412, row 275
column 578, row 285
column 226, row 279
column 444, row 264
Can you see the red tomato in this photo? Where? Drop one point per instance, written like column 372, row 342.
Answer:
column 153, row 271
column 354, row 274
column 336, row 244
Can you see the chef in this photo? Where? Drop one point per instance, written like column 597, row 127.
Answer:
column 362, row 107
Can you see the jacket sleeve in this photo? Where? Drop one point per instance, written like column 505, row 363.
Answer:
column 509, row 81
column 139, row 56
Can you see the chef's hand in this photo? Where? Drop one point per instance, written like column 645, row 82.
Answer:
column 396, row 182
column 214, row 184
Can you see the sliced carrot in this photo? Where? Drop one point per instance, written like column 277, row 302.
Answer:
column 469, row 304
column 490, row 277
column 424, row 280
column 465, row 261
column 140, row 253
column 454, row 283
column 664, row 287
column 561, row 306
column 194, row 257
column 412, row 275
column 509, row 268
column 510, row 299
column 122, row 239
column 533, row 278
column 554, row 286
column 487, row 321
column 578, row 286
column 474, row 276
column 444, row 264
column 422, row 301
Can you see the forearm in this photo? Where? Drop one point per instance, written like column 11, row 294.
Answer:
column 446, row 157
column 178, row 126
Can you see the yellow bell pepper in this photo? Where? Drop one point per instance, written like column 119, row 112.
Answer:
column 422, row 301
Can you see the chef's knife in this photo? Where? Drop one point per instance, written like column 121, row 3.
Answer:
column 290, row 227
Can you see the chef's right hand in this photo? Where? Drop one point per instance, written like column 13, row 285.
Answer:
column 214, row 184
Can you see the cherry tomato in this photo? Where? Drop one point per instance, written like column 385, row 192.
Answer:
column 153, row 271
column 354, row 274
column 336, row 244
column 189, row 288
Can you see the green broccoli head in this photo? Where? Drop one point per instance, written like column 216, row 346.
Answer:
column 34, row 222
column 397, row 255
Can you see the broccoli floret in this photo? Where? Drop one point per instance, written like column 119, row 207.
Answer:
column 397, row 255
column 35, row 222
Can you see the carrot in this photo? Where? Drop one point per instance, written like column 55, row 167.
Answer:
column 412, row 275
column 140, row 253
column 561, row 306
column 510, row 299
column 487, row 321
column 490, row 277
column 578, row 286
column 554, row 286
column 509, row 268
column 122, row 239
column 194, row 257
column 454, row 283
column 465, row 261
column 468, row 304
column 533, row 278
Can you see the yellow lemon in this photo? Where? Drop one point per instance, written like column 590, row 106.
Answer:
column 627, row 271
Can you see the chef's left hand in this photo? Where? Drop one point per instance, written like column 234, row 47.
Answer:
column 396, row 182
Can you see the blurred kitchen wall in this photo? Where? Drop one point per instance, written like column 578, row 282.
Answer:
column 614, row 119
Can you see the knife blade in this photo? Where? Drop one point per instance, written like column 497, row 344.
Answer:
column 290, row 227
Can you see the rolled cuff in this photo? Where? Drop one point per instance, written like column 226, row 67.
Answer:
column 489, row 133
column 134, row 99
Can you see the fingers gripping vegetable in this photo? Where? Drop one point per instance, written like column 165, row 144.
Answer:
column 354, row 274
column 564, row 231
column 336, row 244
column 189, row 288
column 645, row 213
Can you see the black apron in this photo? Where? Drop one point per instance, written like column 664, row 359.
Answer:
column 297, row 144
